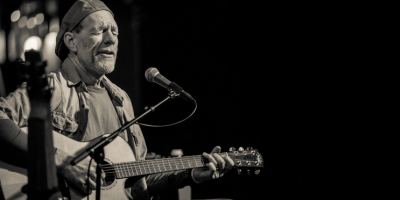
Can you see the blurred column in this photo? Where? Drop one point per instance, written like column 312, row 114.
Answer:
column 49, row 43
column 30, row 25
column 3, row 55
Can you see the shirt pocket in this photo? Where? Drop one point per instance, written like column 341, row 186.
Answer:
column 64, row 123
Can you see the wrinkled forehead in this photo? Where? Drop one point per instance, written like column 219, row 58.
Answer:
column 99, row 19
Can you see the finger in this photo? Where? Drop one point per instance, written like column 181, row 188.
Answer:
column 220, row 160
column 216, row 149
column 92, row 184
column 212, row 172
column 208, row 173
column 103, row 174
column 84, row 188
column 210, row 158
column 228, row 163
column 211, row 167
column 215, row 175
column 93, row 176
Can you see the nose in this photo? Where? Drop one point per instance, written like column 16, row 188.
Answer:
column 110, row 38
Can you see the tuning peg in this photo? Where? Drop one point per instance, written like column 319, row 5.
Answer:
column 257, row 172
column 232, row 149
column 249, row 148
column 239, row 171
column 248, row 171
column 241, row 149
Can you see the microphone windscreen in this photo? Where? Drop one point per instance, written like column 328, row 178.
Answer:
column 151, row 73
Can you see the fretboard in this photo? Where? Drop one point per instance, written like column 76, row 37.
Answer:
column 144, row 167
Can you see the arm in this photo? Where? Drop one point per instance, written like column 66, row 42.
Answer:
column 216, row 168
column 161, row 182
column 14, row 113
column 13, row 139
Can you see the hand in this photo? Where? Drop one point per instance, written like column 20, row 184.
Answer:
column 77, row 174
column 216, row 168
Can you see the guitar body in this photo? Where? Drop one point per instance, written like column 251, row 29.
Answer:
column 119, row 161
column 14, row 178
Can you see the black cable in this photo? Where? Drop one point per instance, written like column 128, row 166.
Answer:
column 149, row 125
column 87, row 180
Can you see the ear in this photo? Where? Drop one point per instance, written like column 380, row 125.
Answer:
column 70, row 42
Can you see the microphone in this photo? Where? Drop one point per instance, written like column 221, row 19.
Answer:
column 153, row 75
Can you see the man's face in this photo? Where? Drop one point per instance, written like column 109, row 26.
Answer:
column 97, row 43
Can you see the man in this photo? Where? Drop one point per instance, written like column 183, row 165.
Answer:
column 85, row 105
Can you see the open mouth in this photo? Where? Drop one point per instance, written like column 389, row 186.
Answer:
column 106, row 53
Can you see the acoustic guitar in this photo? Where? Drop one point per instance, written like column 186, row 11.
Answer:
column 120, row 165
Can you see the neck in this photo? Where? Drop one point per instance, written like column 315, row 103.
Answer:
column 86, row 76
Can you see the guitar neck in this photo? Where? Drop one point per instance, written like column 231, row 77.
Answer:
column 145, row 167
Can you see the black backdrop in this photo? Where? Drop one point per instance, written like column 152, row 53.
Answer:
column 242, row 63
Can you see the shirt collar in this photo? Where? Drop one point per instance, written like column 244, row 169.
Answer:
column 70, row 72
column 73, row 77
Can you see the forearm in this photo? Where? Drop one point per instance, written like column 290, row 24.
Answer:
column 14, row 139
column 161, row 182
column 13, row 143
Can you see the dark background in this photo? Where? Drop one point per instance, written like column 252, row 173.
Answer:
column 242, row 62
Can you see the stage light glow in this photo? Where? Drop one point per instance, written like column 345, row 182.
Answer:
column 54, row 25
column 31, row 23
column 43, row 30
column 33, row 42
column 2, row 46
column 51, row 7
column 12, row 49
column 49, row 44
column 25, row 8
column 39, row 18
column 32, row 6
column 15, row 16
column 22, row 21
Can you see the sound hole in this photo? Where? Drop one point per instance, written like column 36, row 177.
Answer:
column 110, row 173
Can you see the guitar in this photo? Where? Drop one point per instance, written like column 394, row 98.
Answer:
column 119, row 166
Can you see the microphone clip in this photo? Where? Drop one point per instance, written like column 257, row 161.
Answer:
column 172, row 93
column 175, row 88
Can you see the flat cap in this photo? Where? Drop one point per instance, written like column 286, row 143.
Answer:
column 78, row 12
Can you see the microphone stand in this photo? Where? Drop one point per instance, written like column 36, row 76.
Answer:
column 97, row 150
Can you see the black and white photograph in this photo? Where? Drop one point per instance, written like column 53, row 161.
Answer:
column 152, row 100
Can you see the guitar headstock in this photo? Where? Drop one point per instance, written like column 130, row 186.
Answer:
column 36, row 75
column 249, row 159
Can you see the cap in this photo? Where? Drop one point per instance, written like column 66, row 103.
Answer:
column 78, row 12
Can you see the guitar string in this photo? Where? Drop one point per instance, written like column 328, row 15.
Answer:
column 158, row 161
column 184, row 161
column 125, row 169
column 184, row 157
column 155, row 161
column 128, row 168
column 149, row 165
column 188, row 160
column 128, row 171
column 152, row 164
